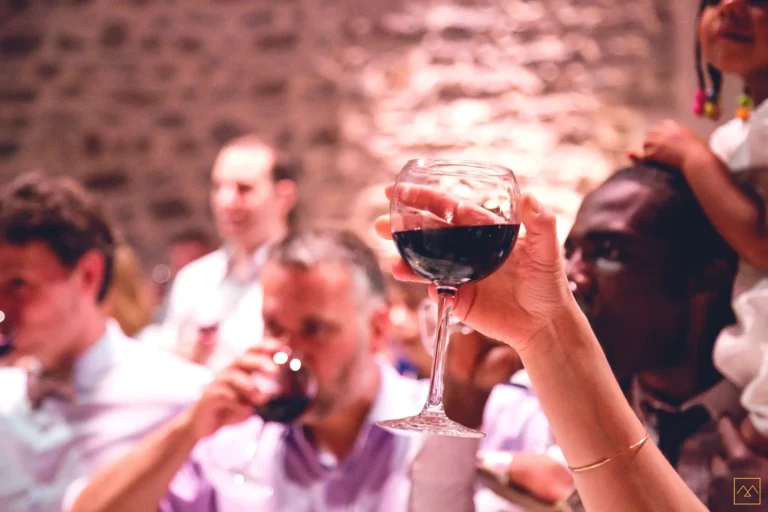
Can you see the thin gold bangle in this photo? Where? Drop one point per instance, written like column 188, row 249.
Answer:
column 602, row 462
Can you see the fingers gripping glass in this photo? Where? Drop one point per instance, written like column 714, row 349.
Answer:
column 292, row 391
column 453, row 222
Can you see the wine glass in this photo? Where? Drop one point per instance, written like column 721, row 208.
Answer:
column 427, row 314
column 6, row 340
column 200, row 326
column 293, row 390
column 452, row 222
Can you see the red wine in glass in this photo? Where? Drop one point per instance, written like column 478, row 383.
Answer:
column 6, row 340
column 296, row 388
column 6, row 344
column 457, row 254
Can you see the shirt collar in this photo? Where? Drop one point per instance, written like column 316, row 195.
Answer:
column 258, row 259
column 97, row 360
column 393, row 400
column 720, row 400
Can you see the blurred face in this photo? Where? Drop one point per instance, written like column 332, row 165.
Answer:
column 182, row 254
column 734, row 36
column 318, row 312
column 42, row 300
column 627, row 282
column 243, row 197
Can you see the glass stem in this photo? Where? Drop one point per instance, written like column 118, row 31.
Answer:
column 241, row 475
column 446, row 295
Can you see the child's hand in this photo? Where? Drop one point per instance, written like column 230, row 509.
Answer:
column 669, row 143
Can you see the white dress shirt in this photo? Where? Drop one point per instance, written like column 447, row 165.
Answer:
column 123, row 391
column 207, row 287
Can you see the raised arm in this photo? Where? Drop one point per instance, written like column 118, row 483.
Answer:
column 141, row 479
column 734, row 213
column 528, row 305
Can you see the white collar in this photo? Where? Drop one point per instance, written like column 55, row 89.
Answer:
column 719, row 400
column 258, row 260
column 95, row 362
column 395, row 398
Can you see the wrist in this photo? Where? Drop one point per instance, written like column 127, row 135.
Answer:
column 564, row 329
column 697, row 156
column 184, row 428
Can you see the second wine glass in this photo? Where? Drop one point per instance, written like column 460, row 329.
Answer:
column 293, row 390
column 453, row 222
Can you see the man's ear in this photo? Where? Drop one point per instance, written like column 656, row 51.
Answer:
column 380, row 329
column 90, row 272
column 286, row 192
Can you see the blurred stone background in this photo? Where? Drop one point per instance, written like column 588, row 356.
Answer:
column 134, row 97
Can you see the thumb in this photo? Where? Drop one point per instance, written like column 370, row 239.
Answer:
column 540, row 232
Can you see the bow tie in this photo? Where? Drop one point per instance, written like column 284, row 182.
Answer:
column 675, row 427
column 42, row 384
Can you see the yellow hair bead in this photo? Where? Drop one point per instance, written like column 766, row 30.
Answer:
column 712, row 110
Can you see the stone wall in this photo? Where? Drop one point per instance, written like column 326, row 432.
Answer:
column 134, row 97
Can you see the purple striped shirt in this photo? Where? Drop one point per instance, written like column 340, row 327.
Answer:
column 289, row 473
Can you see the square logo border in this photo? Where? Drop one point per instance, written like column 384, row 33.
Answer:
column 759, row 491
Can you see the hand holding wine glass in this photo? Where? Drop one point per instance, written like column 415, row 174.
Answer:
column 269, row 380
column 233, row 395
column 527, row 292
column 453, row 222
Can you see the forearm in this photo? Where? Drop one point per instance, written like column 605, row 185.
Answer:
column 140, row 480
column 592, row 420
column 733, row 213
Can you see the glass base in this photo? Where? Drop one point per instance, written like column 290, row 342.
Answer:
column 432, row 423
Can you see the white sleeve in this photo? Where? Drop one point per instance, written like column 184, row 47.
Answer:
column 73, row 492
column 719, row 145
column 443, row 475
column 726, row 138
column 176, row 299
column 757, row 139
column 168, row 334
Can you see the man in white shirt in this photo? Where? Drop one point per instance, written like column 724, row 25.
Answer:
column 214, row 303
column 76, row 393
column 323, row 296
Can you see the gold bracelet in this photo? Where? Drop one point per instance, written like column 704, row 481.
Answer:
column 602, row 462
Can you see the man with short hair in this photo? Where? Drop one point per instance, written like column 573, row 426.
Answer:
column 76, row 392
column 211, row 313
column 654, row 279
column 324, row 297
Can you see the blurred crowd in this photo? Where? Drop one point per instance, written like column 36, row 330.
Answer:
column 123, row 392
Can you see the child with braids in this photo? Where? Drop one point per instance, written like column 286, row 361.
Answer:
column 729, row 178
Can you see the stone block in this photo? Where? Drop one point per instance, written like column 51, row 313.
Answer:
column 107, row 180
column 19, row 45
column 114, row 34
